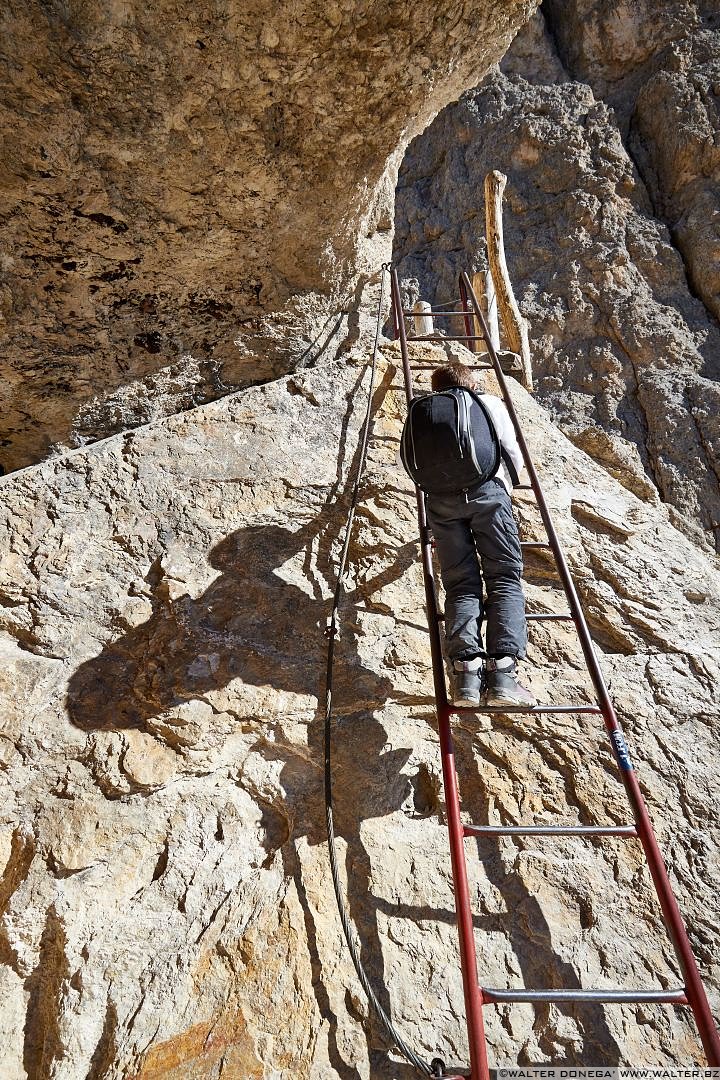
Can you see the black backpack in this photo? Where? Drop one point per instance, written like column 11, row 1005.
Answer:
column 449, row 443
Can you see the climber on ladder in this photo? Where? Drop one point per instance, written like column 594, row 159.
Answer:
column 459, row 447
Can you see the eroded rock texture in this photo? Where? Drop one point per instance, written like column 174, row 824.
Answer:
column 615, row 268
column 178, row 181
column 660, row 71
column 166, row 904
column 191, row 191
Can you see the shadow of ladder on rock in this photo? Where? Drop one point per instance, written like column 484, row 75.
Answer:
column 477, row 996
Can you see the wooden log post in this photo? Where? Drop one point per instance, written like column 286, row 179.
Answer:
column 484, row 289
column 478, row 284
column 515, row 327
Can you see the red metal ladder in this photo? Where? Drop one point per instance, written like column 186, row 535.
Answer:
column 692, row 993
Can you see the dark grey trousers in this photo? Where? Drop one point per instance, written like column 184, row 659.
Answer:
column 480, row 523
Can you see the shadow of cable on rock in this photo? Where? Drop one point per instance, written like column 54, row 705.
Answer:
column 361, row 761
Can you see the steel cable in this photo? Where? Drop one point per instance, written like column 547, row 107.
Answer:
column 348, row 929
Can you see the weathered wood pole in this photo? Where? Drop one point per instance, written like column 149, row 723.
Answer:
column 514, row 325
column 484, row 289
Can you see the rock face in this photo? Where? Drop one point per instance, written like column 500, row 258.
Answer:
column 661, row 77
column 615, row 268
column 166, row 904
column 180, row 180
column 192, row 191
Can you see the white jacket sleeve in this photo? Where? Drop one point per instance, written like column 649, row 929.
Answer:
column 506, row 434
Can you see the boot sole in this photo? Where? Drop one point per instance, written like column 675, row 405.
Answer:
column 467, row 703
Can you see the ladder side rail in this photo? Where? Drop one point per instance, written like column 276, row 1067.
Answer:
column 428, row 571
column 468, row 958
column 673, row 919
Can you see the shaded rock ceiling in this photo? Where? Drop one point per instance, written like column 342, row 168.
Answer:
column 190, row 191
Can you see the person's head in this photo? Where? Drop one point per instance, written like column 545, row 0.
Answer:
column 449, row 375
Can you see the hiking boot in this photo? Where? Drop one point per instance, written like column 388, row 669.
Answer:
column 503, row 688
column 466, row 683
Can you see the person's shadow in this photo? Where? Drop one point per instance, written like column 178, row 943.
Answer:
column 251, row 624
column 256, row 624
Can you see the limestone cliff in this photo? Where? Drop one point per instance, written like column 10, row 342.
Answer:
column 167, row 910
column 610, row 227
column 181, row 179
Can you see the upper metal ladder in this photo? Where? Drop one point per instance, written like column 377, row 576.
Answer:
column 692, row 993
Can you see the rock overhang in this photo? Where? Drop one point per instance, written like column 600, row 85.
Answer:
column 200, row 187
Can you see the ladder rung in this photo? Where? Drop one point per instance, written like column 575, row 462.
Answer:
column 503, row 709
column 442, row 314
column 550, row 617
column 523, row 487
column 473, row 367
column 446, row 337
column 447, row 304
column 550, row 830
column 676, row 997
column 533, row 544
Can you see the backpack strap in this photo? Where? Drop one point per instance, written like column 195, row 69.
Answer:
column 510, row 466
column 507, row 461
